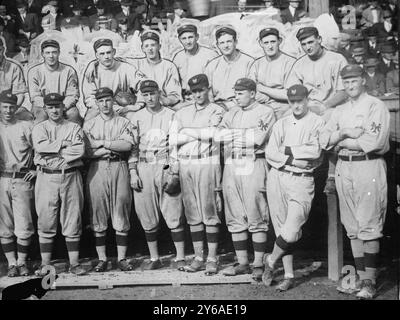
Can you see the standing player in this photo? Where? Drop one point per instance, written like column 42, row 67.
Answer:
column 271, row 71
column 59, row 149
column 53, row 76
column 223, row 71
column 200, row 171
column 108, row 72
column 16, row 187
column 360, row 128
column 149, row 175
column 245, row 130
column 109, row 139
column 161, row 70
column 293, row 151
column 192, row 59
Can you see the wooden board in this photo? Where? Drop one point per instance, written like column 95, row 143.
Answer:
column 335, row 239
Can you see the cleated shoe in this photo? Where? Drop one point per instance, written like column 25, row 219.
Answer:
column 268, row 275
column 285, row 284
column 367, row 291
column 195, row 266
column 77, row 270
column 124, row 265
column 12, row 271
column 236, row 270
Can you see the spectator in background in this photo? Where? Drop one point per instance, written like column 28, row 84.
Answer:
column 52, row 19
column 27, row 23
column 100, row 7
column 24, row 50
column 34, row 6
column 372, row 43
column 179, row 13
column 8, row 39
column 77, row 20
column 385, row 28
column 128, row 14
column 371, row 15
column 344, row 45
column 9, row 21
column 393, row 8
column 392, row 77
column 385, row 63
column 271, row 11
column 292, row 13
column 123, row 30
column 375, row 81
column 358, row 54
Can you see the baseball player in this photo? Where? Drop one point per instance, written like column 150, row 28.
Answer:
column 360, row 129
column 200, row 172
column 293, row 151
column 192, row 59
column 108, row 72
column 53, row 76
column 109, row 141
column 59, row 148
column 271, row 71
column 12, row 79
column 245, row 130
column 223, row 71
column 16, row 187
column 149, row 174
column 319, row 71
column 161, row 70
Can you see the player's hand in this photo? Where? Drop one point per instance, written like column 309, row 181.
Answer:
column 136, row 182
column 30, row 175
column 302, row 164
column 218, row 201
column 352, row 133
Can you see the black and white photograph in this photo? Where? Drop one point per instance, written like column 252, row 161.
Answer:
column 198, row 156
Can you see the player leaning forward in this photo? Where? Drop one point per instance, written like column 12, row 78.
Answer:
column 110, row 139
column 293, row 151
column 245, row 130
column 360, row 129
column 154, row 174
column 16, row 187
column 59, row 148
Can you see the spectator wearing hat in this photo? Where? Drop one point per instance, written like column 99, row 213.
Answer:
column 76, row 20
column 344, row 45
column 385, row 60
column 385, row 28
column 270, row 10
column 9, row 42
column 133, row 21
column 100, row 7
column 179, row 13
column 123, row 30
column 27, row 23
column 52, row 19
column 105, row 70
column 53, row 76
column 371, row 15
column 24, row 50
column 393, row 7
column 292, row 13
column 34, row 6
column 193, row 58
column 271, row 72
column 358, row 55
column 372, row 44
column 162, row 71
column 375, row 81
column 8, row 20
column 224, row 70
column 392, row 77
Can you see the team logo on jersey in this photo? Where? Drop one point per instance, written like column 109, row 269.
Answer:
column 375, row 128
column 262, row 125
column 79, row 137
column 129, row 132
column 293, row 91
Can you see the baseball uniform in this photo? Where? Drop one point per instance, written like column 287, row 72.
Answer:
column 12, row 77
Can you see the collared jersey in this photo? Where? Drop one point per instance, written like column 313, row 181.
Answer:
column 12, row 77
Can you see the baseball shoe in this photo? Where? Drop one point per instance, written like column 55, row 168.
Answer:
column 257, row 273
column 124, row 265
column 77, row 270
column 236, row 270
column 153, row 265
column 101, row 266
column 23, row 270
column 211, row 268
column 285, row 284
column 351, row 290
column 268, row 274
column 12, row 271
column 195, row 266
column 330, row 186
column 180, row 264
column 367, row 291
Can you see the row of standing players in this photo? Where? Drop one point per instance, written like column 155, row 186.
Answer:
column 247, row 125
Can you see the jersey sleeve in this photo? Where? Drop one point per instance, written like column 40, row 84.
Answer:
column 331, row 127
column 172, row 85
column 274, row 157
column 337, row 79
column 294, row 75
column 127, row 133
column 89, row 86
column 18, row 81
column 76, row 150
column 34, row 90
column 72, row 92
column 41, row 141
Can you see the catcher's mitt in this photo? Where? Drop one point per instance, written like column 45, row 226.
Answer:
column 172, row 184
column 124, row 98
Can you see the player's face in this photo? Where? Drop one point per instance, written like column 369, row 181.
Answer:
column 77, row 12
column 311, row 45
column 387, row 55
column 189, row 40
column 294, row 4
column 22, row 10
column 105, row 105
column 244, row 98
column 354, row 86
column 105, row 55
column 371, row 69
column 270, row 45
column 268, row 4
column 152, row 98
column 50, row 56
column 201, row 96
column 100, row 11
column 7, row 111
column 299, row 107
column 151, row 48
column 55, row 113
column 226, row 44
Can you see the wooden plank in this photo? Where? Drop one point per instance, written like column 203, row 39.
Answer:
column 335, row 238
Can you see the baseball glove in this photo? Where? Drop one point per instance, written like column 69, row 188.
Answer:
column 171, row 185
column 124, row 98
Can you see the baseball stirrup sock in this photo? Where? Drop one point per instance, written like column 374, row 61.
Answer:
column 46, row 247
column 8, row 247
column 360, row 263
column 212, row 237
column 151, row 236
column 281, row 243
column 72, row 246
column 121, row 240
column 100, row 241
column 240, row 245
column 178, row 236
column 22, row 249
column 197, row 236
column 260, row 246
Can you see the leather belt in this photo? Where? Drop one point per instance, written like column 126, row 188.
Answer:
column 196, row 156
column 360, row 158
column 14, row 174
column 58, row 171
column 117, row 159
column 254, row 156
column 151, row 159
column 297, row 174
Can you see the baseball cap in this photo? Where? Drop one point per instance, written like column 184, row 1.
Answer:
column 198, row 82
column 103, row 92
column 351, row 70
column 307, row 32
column 8, row 97
column 187, row 28
column 371, row 62
column 227, row 30
column 297, row 92
column 148, row 86
column 245, row 84
column 50, row 43
column 53, row 99
column 149, row 35
column 102, row 42
column 358, row 51
column 21, row 4
column 268, row 31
